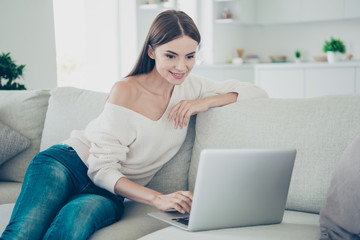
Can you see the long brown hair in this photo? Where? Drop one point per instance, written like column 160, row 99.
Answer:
column 167, row 26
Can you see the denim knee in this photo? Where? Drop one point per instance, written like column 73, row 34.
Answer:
column 83, row 216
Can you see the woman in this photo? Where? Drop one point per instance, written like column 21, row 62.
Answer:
column 73, row 189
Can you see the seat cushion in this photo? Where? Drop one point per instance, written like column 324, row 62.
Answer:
column 319, row 128
column 134, row 224
column 24, row 112
column 295, row 226
column 5, row 213
column 9, row 191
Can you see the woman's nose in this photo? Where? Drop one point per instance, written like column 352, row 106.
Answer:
column 180, row 65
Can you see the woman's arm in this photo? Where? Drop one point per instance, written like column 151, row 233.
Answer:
column 186, row 108
column 181, row 200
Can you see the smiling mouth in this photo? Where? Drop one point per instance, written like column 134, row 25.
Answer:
column 177, row 75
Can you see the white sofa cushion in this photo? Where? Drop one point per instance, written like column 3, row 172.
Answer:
column 135, row 223
column 9, row 191
column 340, row 216
column 319, row 128
column 69, row 108
column 23, row 111
column 5, row 213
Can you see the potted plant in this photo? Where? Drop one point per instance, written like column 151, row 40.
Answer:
column 297, row 56
column 333, row 48
column 9, row 72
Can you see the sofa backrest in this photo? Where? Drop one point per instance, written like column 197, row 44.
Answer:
column 24, row 112
column 72, row 108
column 319, row 128
column 69, row 108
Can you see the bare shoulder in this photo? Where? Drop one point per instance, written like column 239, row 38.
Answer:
column 123, row 92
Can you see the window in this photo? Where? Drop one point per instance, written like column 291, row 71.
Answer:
column 87, row 43
column 97, row 41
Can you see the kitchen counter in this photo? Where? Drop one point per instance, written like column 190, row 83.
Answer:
column 280, row 65
column 298, row 80
column 224, row 65
column 291, row 80
column 307, row 65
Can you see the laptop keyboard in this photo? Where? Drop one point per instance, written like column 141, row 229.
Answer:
column 183, row 220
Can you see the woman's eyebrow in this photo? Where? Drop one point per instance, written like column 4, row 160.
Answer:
column 178, row 54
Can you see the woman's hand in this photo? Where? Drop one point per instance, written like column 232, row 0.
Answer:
column 180, row 201
column 185, row 109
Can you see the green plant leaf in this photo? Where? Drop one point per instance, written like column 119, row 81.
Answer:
column 334, row 45
column 10, row 71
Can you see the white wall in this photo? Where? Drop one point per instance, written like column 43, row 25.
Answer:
column 128, row 51
column 284, row 39
column 27, row 32
column 231, row 42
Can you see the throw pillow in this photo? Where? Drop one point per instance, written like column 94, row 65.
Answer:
column 340, row 216
column 11, row 143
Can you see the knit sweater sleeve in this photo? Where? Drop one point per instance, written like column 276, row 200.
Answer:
column 243, row 89
column 109, row 136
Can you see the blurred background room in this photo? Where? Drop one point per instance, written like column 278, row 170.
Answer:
column 277, row 44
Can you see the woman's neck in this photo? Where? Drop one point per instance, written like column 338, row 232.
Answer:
column 156, row 84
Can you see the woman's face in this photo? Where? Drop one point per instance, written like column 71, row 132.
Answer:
column 175, row 59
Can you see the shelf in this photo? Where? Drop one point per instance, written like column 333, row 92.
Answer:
column 154, row 6
column 227, row 21
column 344, row 64
column 148, row 6
column 225, row 66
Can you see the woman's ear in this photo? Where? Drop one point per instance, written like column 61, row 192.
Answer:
column 151, row 52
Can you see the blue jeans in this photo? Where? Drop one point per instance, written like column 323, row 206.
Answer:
column 59, row 201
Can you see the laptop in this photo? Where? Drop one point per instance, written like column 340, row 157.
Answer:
column 236, row 188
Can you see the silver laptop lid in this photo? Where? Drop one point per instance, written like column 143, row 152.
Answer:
column 241, row 187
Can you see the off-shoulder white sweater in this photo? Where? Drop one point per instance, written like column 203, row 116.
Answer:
column 123, row 143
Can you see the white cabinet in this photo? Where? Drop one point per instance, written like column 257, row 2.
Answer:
column 284, row 11
column 351, row 9
column 308, row 80
column 320, row 82
column 357, row 82
column 225, row 72
column 293, row 11
column 321, row 10
column 242, row 11
column 284, row 83
column 277, row 11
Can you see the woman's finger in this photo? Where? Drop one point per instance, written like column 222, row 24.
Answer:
column 184, row 201
column 188, row 194
column 178, row 113
column 173, row 110
column 181, row 206
column 185, row 116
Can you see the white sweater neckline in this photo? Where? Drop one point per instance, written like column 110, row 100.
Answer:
column 139, row 115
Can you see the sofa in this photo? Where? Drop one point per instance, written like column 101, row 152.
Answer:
column 318, row 128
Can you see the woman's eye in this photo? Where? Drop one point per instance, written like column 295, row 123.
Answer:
column 190, row 57
column 169, row 56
